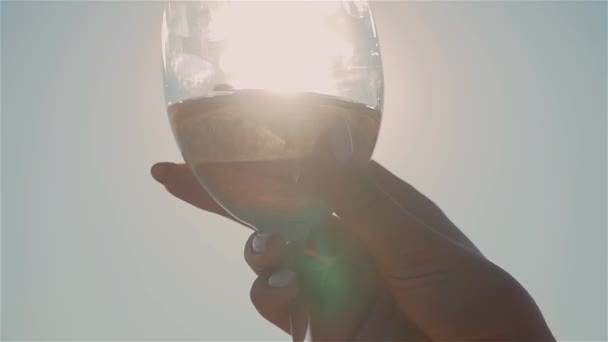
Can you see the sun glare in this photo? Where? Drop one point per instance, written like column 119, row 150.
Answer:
column 324, row 47
column 280, row 46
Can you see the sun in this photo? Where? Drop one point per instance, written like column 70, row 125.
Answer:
column 291, row 46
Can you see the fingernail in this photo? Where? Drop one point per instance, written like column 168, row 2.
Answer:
column 159, row 171
column 341, row 142
column 259, row 241
column 280, row 278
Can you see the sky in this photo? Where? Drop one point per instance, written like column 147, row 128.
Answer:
column 494, row 110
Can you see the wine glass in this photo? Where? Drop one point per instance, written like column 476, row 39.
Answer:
column 252, row 87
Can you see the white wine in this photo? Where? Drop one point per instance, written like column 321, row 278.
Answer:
column 247, row 149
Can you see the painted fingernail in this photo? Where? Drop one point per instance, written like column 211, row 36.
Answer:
column 159, row 171
column 259, row 241
column 280, row 278
column 341, row 142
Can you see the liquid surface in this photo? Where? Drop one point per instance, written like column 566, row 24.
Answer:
column 248, row 148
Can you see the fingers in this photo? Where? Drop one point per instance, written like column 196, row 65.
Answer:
column 417, row 204
column 337, row 292
column 274, row 296
column 265, row 252
column 274, row 291
column 180, row 182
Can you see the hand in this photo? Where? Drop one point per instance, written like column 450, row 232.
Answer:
column 426, row 280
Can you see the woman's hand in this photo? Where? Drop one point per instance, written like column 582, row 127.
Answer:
column 413, row 274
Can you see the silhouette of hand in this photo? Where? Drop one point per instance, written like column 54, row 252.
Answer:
column 409, row 272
